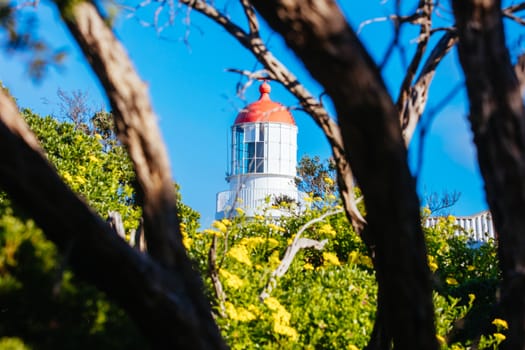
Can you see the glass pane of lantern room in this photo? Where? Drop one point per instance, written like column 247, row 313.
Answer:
column 249, row 133
column 260, row 150
column 262, row 132
column 238, row 150
column 259, row 165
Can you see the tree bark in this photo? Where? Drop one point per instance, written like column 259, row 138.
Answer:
column 497, row 119
column 330, row 50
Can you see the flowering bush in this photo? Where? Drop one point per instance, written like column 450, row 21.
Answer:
column 327, row 298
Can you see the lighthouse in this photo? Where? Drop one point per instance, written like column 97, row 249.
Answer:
column 263, row 160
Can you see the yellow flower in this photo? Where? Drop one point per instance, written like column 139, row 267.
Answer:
column 366, row 261
column 276, row 228
column 98, row 137
column 244, row 315
column 328, row 181
column 186, row 240
column 239, row 211
column 68, row 177
column 239, row 313
column 93, row 158
column 251, row 242
column 281, row 318
column 451, row 281
column 259, row 217
column 352, row 257
column 274, row 260
column 500, row 324
column 451, row 218
column 283, row 329
column 272, row 242
column 308, row 267
column 432, row 264
column 499, row 337
column 226, row 222
column 272, row 303
column 212, row 232
column 331, row 259
column 220, row 226
column 331, row 197
column 471, row 268
column 352, row 347
column 231, row 280
column 440, row 339
column 241, row 254
column 426, row 211
column 328, row 230
column 80, row 179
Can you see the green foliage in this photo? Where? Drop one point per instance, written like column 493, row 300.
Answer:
column 102, row 175
column 250, row 249
column 465, row 272
column 327, row 298
column 316, row 177
column 9, row 343
column 43, row 303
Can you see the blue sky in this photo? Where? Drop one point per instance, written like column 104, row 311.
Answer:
column 196, row 102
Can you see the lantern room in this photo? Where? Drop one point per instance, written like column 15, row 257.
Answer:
column 263, row 157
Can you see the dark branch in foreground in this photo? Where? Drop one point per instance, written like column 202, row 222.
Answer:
column 154, row 296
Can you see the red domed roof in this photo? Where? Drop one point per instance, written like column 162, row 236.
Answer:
column 265, row 110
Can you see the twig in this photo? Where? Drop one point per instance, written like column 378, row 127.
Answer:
column 249, row 11
column 115, row 221
column 414, row 106
column 214, row 275
column 425, row 7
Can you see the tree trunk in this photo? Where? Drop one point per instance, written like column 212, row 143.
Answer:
column 320, row 36
column 160, row 291
column 497, row 118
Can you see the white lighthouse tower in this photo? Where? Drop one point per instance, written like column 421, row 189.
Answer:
column 263, row 159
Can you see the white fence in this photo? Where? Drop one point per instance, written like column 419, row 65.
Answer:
column 478, row 227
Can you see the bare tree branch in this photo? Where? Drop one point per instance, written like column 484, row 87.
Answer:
column 297, row 244
column 519, row 70
column 413, row 18
column 115, row 222
column 414, row 105
column 438, row 202
column 424, row 7
column 136, row 128
column 214, row 275
column 253, row 24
